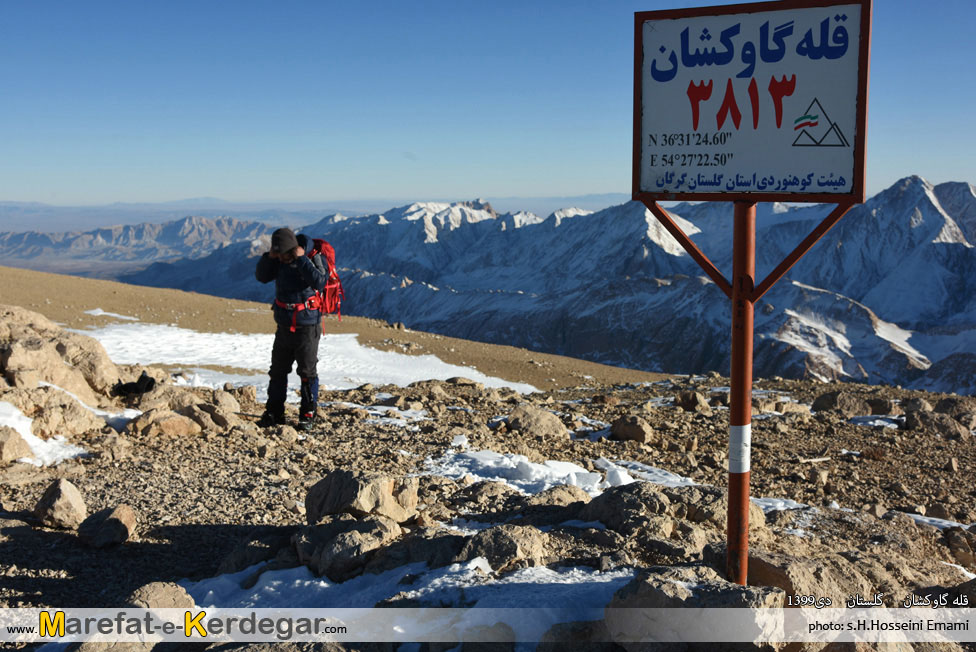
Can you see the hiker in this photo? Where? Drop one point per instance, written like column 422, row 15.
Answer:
column 297, row 279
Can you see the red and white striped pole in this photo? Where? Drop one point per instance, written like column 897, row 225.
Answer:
column 740, row 412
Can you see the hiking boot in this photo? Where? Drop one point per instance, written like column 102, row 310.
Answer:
column 306, row 421
column 270, row 419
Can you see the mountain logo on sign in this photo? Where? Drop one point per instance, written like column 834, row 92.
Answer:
column 817, row 129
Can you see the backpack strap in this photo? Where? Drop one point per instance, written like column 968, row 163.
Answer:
column 314, row 302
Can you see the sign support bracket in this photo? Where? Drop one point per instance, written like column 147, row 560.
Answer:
column 743, row 294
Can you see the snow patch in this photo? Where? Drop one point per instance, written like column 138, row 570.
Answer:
column 45, row 452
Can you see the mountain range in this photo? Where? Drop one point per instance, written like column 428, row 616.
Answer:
column 886, row 297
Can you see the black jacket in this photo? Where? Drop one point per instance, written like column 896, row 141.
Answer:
column 294, row 283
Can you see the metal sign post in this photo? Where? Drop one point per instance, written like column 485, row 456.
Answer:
column 746, row 103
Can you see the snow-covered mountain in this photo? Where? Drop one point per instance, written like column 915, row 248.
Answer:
column 887, row 296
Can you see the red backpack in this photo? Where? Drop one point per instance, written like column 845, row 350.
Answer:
column 331, row 296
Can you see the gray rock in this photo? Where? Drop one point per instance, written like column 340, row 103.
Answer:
column 61, row 506
column 201, row 416
column 340, row 546
column 691, row 401
column 225, row 401
column 53, row 412
column 164, row 422
column 631, row 617
column 483, row 497
column 507, row 547
column 916, row 405
column 938, row 510
column 709, row 506
column 884, row 406
column 108, row 527
column 846, row 403
column 12, row 445
column 160, row 595
column 532, row 421
column 633, row 428
column 936, row 423
column 436, row 547
column 560, row 495
column 360, row 493
column 626, row 508
column 34, row 348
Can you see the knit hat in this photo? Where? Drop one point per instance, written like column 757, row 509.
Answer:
column 283, row 240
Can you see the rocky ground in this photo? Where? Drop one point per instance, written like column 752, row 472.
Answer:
column 193, row 487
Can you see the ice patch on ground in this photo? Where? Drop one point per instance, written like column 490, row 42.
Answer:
column 98, row 312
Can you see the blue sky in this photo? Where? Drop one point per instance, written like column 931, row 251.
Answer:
column 321, row 101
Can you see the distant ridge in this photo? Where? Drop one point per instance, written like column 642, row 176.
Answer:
column 883, row 298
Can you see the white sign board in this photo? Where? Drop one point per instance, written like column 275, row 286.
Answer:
column 751, row 101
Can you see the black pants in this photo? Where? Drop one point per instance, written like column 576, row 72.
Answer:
column 302, row 347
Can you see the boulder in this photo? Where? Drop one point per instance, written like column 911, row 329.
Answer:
column 12, row 445
column 484, row 497
column 829, row 576
column 160, row 595
column 339, row 546
column 246, row 393
column 533, row 421
column 34, row 348
column 626, row 508
column 201, row 417
column 633, row 428
column 225, row 401
column 789, row 407
column 632, row 615
column 360, row 493
column 434, row 546
column 61, row 506
column 221, row 417
column 691, row 401
column 884, row 406
column 916, row 405
column 507, row 547
column 53, row 412
column 460, row 381
column 108, row 527
column 967, row 419
column 764, row 405
column 547, row 508
column 936, row 423
column 709, row 506
column 955, row 406
column 607, row 400
column 25, row 362
column 437, row 394
column 166, row 397
column 847, row 404
column 560, row 495
column 164, row 422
